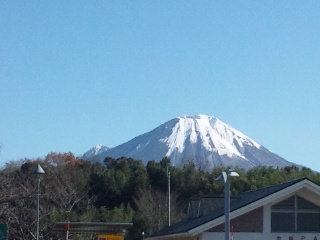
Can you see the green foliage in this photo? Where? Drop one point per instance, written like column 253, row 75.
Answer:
column 123, row 213
column 116, row 183
column 121, row 190
column 157, row 175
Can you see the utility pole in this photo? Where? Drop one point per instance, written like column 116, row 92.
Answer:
column 169, row 197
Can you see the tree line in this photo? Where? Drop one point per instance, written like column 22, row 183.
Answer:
column 120, row 190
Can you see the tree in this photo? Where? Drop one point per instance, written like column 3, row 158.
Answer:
column 118, row 182
column 121, row 190
column 157, row 174
column 123, row 213
column 152, row 211
column 18, row 210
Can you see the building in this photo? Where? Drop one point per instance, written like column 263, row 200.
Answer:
column 287, row 211
column 102, row 230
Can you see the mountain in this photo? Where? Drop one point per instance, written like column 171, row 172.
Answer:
column 206, row 141
column 95, row 151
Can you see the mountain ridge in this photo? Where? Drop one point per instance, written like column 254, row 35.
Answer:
column 203, row 140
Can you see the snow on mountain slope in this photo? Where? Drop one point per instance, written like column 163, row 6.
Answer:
column 95, row 151
column 205, row 141
column 213, row 134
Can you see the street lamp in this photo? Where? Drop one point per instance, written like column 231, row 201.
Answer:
column 226, row 178
column 38, row 170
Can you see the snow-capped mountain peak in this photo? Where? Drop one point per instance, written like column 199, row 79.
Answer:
column 213, row 134
column 95, row 151
column 206, row 141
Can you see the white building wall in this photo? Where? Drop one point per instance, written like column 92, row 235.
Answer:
column 261, row 236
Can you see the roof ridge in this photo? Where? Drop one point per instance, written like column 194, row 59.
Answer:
column 276, row 185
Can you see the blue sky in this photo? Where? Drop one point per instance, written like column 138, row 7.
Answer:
column 74, row 74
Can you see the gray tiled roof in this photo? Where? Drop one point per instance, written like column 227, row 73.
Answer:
column 243, row 200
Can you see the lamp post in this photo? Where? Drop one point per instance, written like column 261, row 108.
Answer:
column 226, row 177
column 38, row 170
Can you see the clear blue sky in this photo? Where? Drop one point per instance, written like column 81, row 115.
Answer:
column 74, row 74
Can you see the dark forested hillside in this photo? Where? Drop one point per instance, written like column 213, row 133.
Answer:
column 121, row 190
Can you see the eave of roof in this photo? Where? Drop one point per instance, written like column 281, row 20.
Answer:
column 93, row 227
